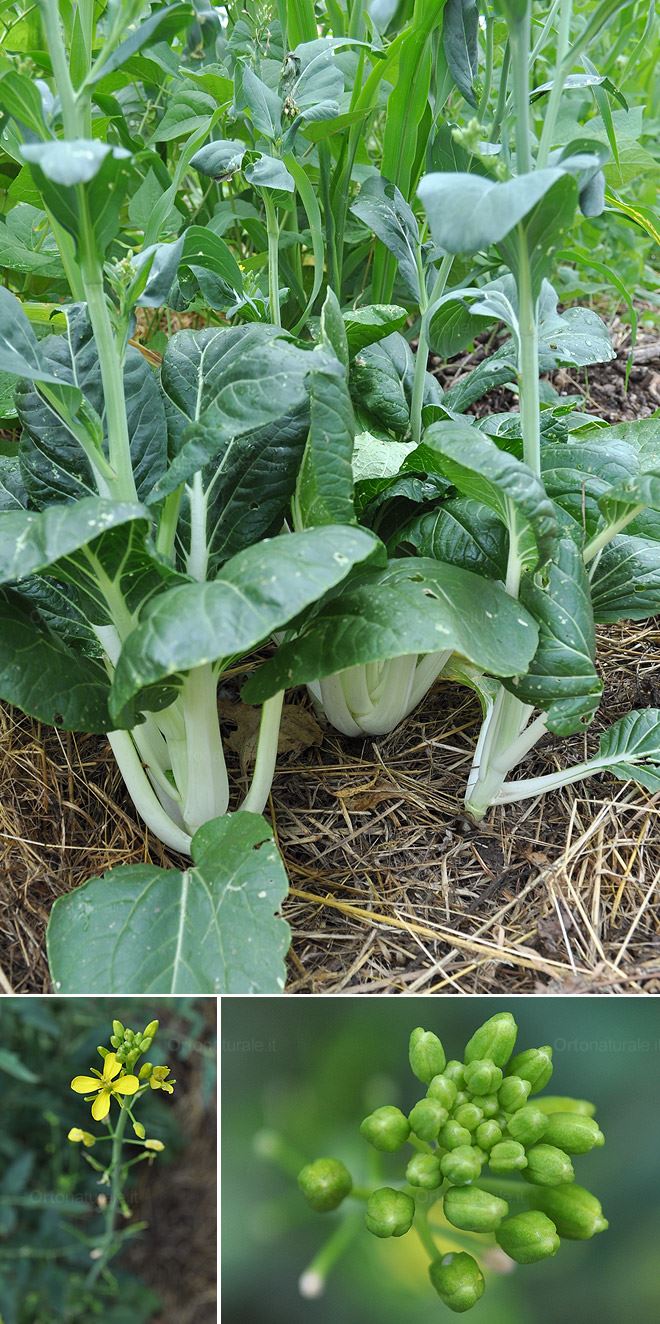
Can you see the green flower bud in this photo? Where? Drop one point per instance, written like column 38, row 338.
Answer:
column 443, row 1090
column 528, row 1237
column 548, row 1166
column 458, row 1280
column 387, row 1128
column 117, row 1030
column 426, row 1055
column 145, row 1043
column 489, row 1104
column 151, row 1029
column 129, row 1036
column 487, row 1134
column 426, row 1118
column 527, row 1125
column 103, row 1052
column 454, row 1071
column 513, row 1093
column 462, row 1096
column 462, row 1165
column 482, row 1077
column 556, row 1103
column 534, row 1065
column 145, row 1071
column 507, row 1156
column 495, row 1039
column 575, row 1134
column 424, row 1170
column 325, row 1183
column 468, row 1115
column 115, row 1041
column 473, row 1210
column 576, row 1213
column 389, row 1213
column 452, row 1134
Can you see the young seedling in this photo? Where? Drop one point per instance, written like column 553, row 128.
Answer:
column 492, row 1165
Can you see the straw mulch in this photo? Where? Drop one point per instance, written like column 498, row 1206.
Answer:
column 392, row 889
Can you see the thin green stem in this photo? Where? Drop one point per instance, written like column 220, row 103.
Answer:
column 421, row 1225
column 502, row 94
column 116, row 1178
column 57, row 51
column 421, row 358
column 312, row 1281
column 110, row 361
column 528, row 359
column 562, row 69
column 273, row 230
column 325, row 164
column 520, row 41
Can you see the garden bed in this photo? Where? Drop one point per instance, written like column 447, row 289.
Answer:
column 392, row 889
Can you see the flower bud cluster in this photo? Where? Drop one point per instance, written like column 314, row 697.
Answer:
column 479, row 1124
column 129, row 1045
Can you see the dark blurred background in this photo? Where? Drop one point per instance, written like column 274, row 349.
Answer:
column 48, row 1193
column 310, row 1069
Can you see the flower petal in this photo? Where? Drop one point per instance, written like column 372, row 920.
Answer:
column 101, row 1106
column 85, row 1084
column 111, row 1067
column 126, row 1085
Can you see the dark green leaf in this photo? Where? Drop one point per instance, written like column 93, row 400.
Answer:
column 412, row 606
column 44, row 677
column 257, row 592
column 561, row 679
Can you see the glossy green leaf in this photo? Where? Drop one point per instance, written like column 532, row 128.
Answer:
column 258, row 591
column 412, row 606
column 365, row 326
column 220, row 159
column 324, row 490
column 33, row 541
column 52, row 460
column 164, row 22
column 269, row 172
column 630, row 749
column 213, row 928
column 59, row 168
column 460, row 532
column 188, row 111
column 479, row 469
column 625, row 583
column 467, row 213
column 43, row 676
column 562, row 679
column 460, row 29
column 383, row 208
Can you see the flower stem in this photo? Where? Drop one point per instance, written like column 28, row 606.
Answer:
column 115, row 1192
column 273, row 231
column 312, row 1281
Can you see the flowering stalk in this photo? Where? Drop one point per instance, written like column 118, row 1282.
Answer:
column 118, row 1082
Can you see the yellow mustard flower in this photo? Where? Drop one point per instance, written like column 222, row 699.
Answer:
column 104, row 1085
column 81, row 1137
column 158, row 1080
